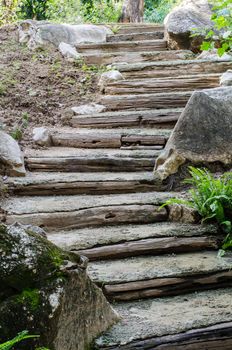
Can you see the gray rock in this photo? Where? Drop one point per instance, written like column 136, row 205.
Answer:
column 226, row 78
column 11, row 159
column 38, row 34
column 109, row 77
column 88, row 109
column 47, row 291
column 202, row 134
column 41, row 136
column 213, row 56
column 180, row 22
column 69, row 52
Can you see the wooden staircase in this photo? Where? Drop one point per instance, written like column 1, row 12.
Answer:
column 94, row 192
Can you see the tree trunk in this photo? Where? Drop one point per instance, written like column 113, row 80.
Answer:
column 132, row 11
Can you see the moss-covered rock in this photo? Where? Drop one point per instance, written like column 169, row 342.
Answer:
column 46, row 290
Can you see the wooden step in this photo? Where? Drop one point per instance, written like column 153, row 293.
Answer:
column 170, row 84
column 66, row 212
column 112, row 242
column 131, row 28
column 163, row 275
column 131, row 46
column 119, row 138
column 94, row 160
column 158, row 118
column 173, row 68
column 36, row 184
column 134, row 57
column 135, row 36
column 194, row 321
column 157, row 100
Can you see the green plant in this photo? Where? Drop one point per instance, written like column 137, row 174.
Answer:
column 212, row 198
column 220, row 37
column 157, row 10
column 20, row 337
column 19, row 128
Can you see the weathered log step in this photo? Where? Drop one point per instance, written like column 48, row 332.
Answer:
column 88, row 238
column 172, row 68
column 163, row 275
column 160, row 118
column 85, row 211
column 131, row 28
column 90, row 160
column 157, row 100
column 135, row 36
column 104, row 245
column 90, row 138
column 194, row 321
column 135, row 57
column 153, row 246
column 170, row 84
column 36, row 184
column 130, row 46
column 143, row 268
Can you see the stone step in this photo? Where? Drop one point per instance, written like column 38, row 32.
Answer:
column 172, row 68
column 135, row 36
column 90, row 160
column 36, row 184
column 78, row 211
column 112, row 242
column 194, row 321
column 143, row 101
column 119, row 138
column 158, row 118
column 170, row 84
column 135, row 57
column 128, row 46
column 156, row 276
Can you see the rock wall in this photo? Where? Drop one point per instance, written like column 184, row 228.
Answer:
column 47, row 291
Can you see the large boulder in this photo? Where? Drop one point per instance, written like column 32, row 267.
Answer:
column 46, row 291
column 202, row 135
column 11, row 159
column 181, row 21
column 40, row 34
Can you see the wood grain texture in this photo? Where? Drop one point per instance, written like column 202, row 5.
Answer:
column 154, row 246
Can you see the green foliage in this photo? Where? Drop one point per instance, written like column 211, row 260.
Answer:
column 19, row 128
column 212, row 198
column 20, row 337
column 157, row 10
column 36, row 9
column 220, row 37
column 8, row 11
column 101, row 11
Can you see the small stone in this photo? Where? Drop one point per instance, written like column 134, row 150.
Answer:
column 69, row 52
column 90, row 108
column 212, row 55
column 42, row 136
column 109, row 77
column 226, row 78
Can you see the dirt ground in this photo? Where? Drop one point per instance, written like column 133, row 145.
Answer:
column 38, row 87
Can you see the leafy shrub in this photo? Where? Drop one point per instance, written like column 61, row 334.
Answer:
column 220, row 37
column 212, row 198
column 156, row 11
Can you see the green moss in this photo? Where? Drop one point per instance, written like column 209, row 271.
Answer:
column 29, row 297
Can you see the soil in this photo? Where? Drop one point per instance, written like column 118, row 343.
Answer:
column 37, row 88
